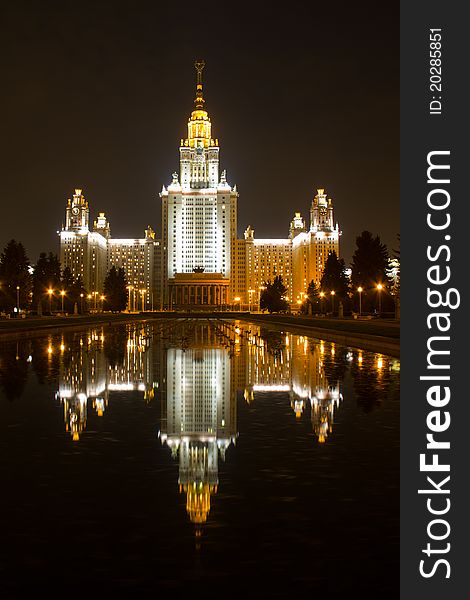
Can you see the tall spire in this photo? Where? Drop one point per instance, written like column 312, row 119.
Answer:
column 199, row 101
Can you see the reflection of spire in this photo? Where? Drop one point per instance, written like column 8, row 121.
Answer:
column 298, row 406
column 75, row 415
column 199, row 421
column 198, row 500
column 93, row 364
column 324, row 403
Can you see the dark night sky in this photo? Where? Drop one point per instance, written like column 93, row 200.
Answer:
column 97, row 95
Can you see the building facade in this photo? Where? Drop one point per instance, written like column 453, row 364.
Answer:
column 199, row 261
column 199, row 219
column 90, row 254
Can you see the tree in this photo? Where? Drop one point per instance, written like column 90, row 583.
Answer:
column 334, row 278
column 370, row 261
column 115, row 289
column 46, row 276
column 73, row 289
column 15, row 278
column 78, row 294
column 394, row 276
column 312, row 299
column 369, row 267
column 394, row 270
column 273, row 296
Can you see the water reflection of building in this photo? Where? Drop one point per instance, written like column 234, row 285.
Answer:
column 202, row 370
column 86, row 375
column 280, row 362
column 199, row 416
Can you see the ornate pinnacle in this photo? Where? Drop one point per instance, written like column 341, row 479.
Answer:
column 199, row 101
column 199, row 64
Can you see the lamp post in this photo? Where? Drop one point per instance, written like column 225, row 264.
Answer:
column 95, row 294
column 81, row 303
column 249, row 299
column 102, row 298
column 322, row 295
column 379, row 290
column 333, row 302
column 50, row 291
column 261, row 287
column 142, row 293
column 129, row 288
column 62, row 293
column 359, row 289
column 18, row 298
column 237, row 301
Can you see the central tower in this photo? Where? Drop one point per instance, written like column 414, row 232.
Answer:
column 199, row 218
column 199, row 152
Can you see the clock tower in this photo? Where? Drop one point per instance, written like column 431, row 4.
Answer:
column 77, row 213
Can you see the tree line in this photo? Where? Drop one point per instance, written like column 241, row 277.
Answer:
column 47, row 288
column 372, row 287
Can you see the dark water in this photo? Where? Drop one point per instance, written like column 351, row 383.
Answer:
column 199, row 458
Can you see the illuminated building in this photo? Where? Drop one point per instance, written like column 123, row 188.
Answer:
column 310, row 248
column 265, row 259
column 199, row 218
column 199, row 261
column 82, row 250
column 91, row 254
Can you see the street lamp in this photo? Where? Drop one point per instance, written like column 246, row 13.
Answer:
column 18, row 297
column 359, row 289
column 333, row 301
column 379, row 290
column 261, row 287
column 50, row 291
column 81, row 303
column 142, row 293
column 249, row 299
column 129, row 288
column 62, row 293
column 322, row 295
column 237, row 301
column 102, row 298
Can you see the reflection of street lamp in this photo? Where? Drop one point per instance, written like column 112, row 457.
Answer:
column 129, row 288
column 50, row 291
column 333, row 301
column 62, row 293
column 322, row 295
column 379, row 289
column 359, row 289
